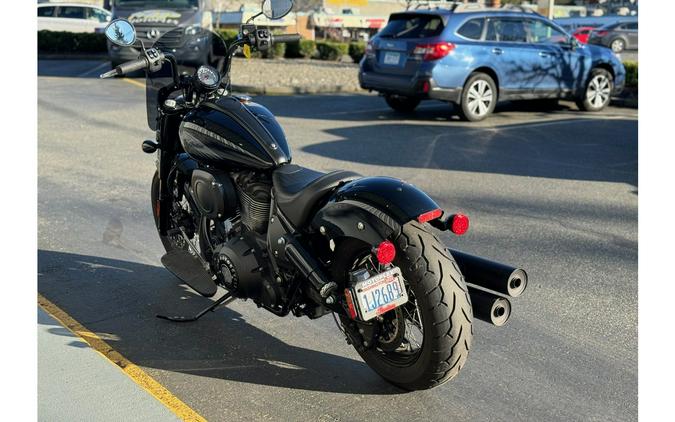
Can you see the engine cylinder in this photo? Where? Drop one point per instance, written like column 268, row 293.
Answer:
column 255, row 205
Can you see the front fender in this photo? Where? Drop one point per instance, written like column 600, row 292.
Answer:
column 371, row 209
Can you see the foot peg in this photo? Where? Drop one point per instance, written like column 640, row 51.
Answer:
column 224, row 300
column 190, row 270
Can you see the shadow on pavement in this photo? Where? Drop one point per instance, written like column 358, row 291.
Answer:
column 119, row 300
column 575, row 149
column 363, row 107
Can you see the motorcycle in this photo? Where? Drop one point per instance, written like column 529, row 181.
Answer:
column 233, row 211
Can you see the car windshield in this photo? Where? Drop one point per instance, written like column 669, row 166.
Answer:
column 410, row 25
column 169, row 4
column 192, row 47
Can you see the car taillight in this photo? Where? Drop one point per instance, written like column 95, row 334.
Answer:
column 433, row 51
column 370, row 50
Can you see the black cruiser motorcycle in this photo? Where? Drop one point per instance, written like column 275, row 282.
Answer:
column 232, row 211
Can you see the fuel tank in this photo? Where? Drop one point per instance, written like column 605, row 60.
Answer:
column 233, row 133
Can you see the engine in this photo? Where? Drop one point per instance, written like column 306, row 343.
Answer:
column 240, row 269
column 254, row 195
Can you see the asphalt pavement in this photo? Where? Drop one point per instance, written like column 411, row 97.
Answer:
column 553, row 191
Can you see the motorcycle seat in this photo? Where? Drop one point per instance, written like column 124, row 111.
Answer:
column 298, row 189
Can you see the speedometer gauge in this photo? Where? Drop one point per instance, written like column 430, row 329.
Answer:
column 208, row 77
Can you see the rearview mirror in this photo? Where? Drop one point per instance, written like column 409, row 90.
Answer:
column 276, row 9
column 121, row 32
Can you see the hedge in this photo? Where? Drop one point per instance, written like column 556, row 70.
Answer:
column 71, row 42
column 357, row 50
column 631, row 74
column 305, row 49
column 331, row 50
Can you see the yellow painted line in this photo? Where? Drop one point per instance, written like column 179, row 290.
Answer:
column 140, row 377
column 134, row 82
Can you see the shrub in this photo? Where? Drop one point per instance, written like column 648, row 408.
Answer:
column 302, row 49
column 332, row 50
column 357, row 50
column 277, row 51
column 71, row 42
column 230, row 35
column 631, row 73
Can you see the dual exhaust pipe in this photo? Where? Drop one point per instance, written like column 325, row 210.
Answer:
column 484, row 279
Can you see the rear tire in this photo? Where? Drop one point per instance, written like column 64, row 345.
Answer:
column 617, row 45
column 444, row 306
column 402, row 104
column 479, row 97
column 598, row 91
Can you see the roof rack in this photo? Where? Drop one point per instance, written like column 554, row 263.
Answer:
column 458, row 7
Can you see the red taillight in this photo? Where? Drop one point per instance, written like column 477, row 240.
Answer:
column 425, row 87
column 430, row 215
column 370, row 50
column 350, row 304
column 433, row 51
column 386, row 252
column 459, row 224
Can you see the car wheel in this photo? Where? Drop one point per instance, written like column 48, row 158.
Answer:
column 479, row 97
column 617, row 45
column 598, row 91
column 402, row 104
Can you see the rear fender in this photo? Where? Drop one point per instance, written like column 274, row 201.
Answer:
column 371, row 209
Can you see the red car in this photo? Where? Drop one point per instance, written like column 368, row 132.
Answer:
column 582, row 33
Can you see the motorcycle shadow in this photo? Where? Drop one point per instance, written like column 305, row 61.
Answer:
column 119, row 299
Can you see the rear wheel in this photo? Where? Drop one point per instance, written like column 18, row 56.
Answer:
column 598, row 91
column 426, row 341
column 617, row 45
column 401, row 103
column 479, row 97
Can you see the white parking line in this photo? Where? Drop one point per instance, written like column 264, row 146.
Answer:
column 95, row 69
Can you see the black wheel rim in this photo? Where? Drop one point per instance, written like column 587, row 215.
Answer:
column 412, row 338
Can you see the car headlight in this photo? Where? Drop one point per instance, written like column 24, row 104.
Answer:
column 193, row 29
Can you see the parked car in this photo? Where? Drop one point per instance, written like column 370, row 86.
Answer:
column 582, row 33
column 71, row 17
column 477, row 58
column 618, row 36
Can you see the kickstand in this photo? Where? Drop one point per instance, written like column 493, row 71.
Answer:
column 224, row 299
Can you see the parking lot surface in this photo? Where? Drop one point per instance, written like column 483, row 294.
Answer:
column 552, row 191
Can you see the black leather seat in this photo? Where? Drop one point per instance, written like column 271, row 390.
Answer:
column 297, row 189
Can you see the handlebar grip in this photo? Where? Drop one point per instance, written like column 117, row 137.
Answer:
column 132, row 66
column 286, row 38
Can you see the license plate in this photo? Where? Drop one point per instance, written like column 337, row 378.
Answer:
column 392, row 58
column 379, row 294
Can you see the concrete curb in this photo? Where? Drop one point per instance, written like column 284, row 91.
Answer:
column 295, row 90
column 71, row 56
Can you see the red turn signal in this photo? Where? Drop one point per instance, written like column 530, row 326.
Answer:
column 459, row 224
column 429, row 215
column 386, row 252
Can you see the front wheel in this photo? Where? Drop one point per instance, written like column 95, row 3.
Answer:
column 598, row 91
column 425, row 342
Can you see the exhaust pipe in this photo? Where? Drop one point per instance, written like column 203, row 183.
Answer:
column 491, row 275
column 490, row 308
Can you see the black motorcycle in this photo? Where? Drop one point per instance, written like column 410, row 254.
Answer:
column 233, row 211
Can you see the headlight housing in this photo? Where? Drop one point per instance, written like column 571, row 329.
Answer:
column 194, row 29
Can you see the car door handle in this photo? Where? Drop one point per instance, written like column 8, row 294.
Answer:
column 497, row 51
column 544, row 54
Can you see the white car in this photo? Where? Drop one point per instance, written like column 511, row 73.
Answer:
column 72, row 17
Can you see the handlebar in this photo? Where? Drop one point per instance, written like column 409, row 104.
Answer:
column 285, row 38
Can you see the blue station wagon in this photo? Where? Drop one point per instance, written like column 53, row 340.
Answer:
column 476, row 58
